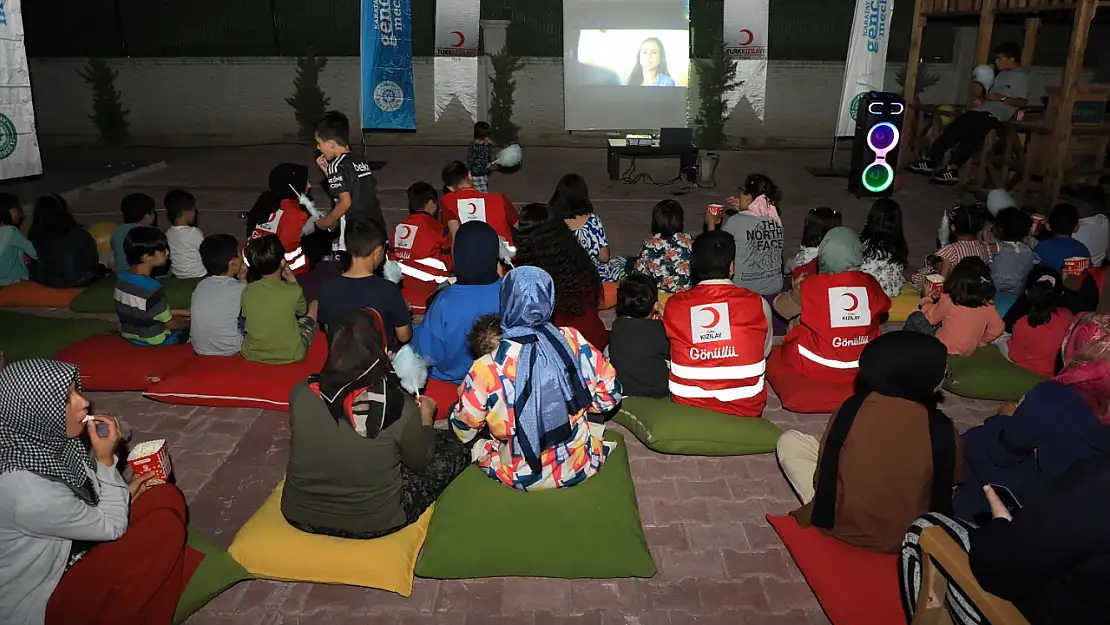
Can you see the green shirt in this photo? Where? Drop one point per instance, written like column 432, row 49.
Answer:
column 270, row 309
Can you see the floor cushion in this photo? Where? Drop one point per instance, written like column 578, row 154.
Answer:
column 802, row 394
column 906, row 302
column 608, row 295
column 210, row 571
column 986, row 374
column 231, row 381
column 269, row 547
column 32, row 294
column 109, row 362
column 445, row 394
column 673, row 428
column 466, row 539
column 99, row 297
column 853, row 585
column 23, row 335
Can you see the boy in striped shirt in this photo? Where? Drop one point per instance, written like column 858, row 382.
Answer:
column 145, row 317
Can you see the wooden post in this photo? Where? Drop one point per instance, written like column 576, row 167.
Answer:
column 1029, row 45
column 909, row 131
column 1061, row 128
column 986, row 30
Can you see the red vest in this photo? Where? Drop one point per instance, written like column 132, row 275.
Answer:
column 286, row 222
column 718, row 334
column 1098, row 274
column 840, row 315
column 420, row 245
column 470, row 205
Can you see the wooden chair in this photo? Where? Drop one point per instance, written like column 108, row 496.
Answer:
column 1086, row 158
column 946, row 562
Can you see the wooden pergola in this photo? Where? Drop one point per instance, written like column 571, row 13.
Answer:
column 1033, row 11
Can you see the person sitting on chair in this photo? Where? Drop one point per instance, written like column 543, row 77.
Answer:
column 989, row 112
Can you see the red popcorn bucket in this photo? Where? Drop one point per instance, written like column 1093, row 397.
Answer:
column 1076, row 265
column 934, row 285
column 1038, row 225
column 715, row 209
column 151, row 457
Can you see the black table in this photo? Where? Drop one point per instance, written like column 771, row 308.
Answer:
column 687, row 156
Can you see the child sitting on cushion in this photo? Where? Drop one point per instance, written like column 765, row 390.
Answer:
column 280, row 325
column 963, row 317
column 638, row 345
column 1013, row 259
column 15, row 249
column 138, row 210
column 145, row 317
column 485, row 336
column 184, row 235
column 818, row 221
column 1037, row 336
column 964, row 223
column 217, row 300
column 1060, row 246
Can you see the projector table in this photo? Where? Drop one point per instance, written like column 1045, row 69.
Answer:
column 687, row 156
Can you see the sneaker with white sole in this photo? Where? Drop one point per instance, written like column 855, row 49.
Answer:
column 948, row 175
column 923, row 166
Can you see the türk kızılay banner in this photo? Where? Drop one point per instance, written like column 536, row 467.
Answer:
column 866, row 67
column 745, row 32
column 19, row 144
column 456, row 55
column 387, row 92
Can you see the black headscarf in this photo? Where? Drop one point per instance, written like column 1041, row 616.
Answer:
column 283, row 180
column 476, row 252
column 899, row 364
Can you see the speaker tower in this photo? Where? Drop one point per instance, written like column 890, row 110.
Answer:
column 879, row 118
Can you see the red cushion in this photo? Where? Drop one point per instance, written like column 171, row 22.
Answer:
column 446, row 395
column 33, row 294
column 234, row 382
column 108, row 362
column 802, row 394
column 854, row 586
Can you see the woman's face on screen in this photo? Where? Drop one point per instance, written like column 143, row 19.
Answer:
column 649, row 56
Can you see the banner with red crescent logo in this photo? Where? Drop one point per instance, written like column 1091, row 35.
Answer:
column 456, row 55
column 19, row 144
column 745, row 29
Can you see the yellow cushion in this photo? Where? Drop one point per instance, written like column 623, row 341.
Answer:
column 269, row 547
column 906, row 302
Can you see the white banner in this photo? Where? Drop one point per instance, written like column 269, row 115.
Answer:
column 19, row 144
column 745, row 31
column 456, row 63
column 866, row 65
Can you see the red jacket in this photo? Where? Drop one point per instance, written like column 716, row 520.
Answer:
column 421, row 244
column 840, row 316
column 718, row 335
column 286, row 222
column 469, row 205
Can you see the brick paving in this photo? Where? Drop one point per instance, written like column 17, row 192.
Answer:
column 718, row 560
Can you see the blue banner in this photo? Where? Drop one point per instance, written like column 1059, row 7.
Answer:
column 387, row 92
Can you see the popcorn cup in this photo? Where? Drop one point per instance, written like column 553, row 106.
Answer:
column 1076, row 265
column 715, row 209
column 934, row 285
column 151, row 457
column 1038, row 225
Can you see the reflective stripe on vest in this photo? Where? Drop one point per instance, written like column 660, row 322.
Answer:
column 424, row 276
column 832, row 364
column 738, row 372
column 296, row 259
column 723, row 394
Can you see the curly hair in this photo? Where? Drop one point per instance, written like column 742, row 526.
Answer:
column 546, row 242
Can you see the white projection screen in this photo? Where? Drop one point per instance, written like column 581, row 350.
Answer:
column 626, row 64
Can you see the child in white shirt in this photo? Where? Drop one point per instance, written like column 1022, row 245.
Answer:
column 184, row 237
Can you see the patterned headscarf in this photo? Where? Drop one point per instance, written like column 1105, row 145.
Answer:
column 1086, row 355
column 33, row 396
column 840, row 250
column 548, row 385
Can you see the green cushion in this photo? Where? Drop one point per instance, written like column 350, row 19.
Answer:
column 673, row 428
column 23, row 335
column 482, row 528
column 216, row 573
column 986, row 374
column 99, row 297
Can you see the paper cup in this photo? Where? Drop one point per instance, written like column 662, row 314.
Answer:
column 934, row 285
column 1038, row 225
column 151, row 457
column 715, row 209
column 1076, row 265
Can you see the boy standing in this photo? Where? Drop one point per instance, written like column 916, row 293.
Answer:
column 184, row 236
column 359, row 288
column 720, row 335
column 351, row 185
column 465, row 203
column 422, row 246
column 138, row 210
column 280, row 324
column 145, row 317
column 217, row 300
column 478, row 159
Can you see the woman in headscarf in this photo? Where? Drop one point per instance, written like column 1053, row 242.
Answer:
column 888, row 455
column 364, row 459
column 1057, row 423
column 834, row 314
column 534, row 392
column 78, row 543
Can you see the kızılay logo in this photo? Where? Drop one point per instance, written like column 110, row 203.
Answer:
column 8, row 137
column 853, row 108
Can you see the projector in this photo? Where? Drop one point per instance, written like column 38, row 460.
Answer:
column 639, row 141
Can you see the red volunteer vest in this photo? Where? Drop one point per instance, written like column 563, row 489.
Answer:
column 470, row 205
column 718, row 333
column 286, row 222
column 840, row 316
column 419, row 244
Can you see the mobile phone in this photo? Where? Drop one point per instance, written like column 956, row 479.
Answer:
column 1008, row 501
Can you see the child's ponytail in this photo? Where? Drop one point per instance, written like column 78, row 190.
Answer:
column 1043, row 290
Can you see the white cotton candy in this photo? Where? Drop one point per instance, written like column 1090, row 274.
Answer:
column 999, row 199
column 392, row 271
column 314, row 214
column 411, row 369
column 505, row 253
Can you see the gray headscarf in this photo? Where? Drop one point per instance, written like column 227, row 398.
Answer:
column 839, row 251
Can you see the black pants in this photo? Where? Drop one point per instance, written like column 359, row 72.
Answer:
column 966, row 134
